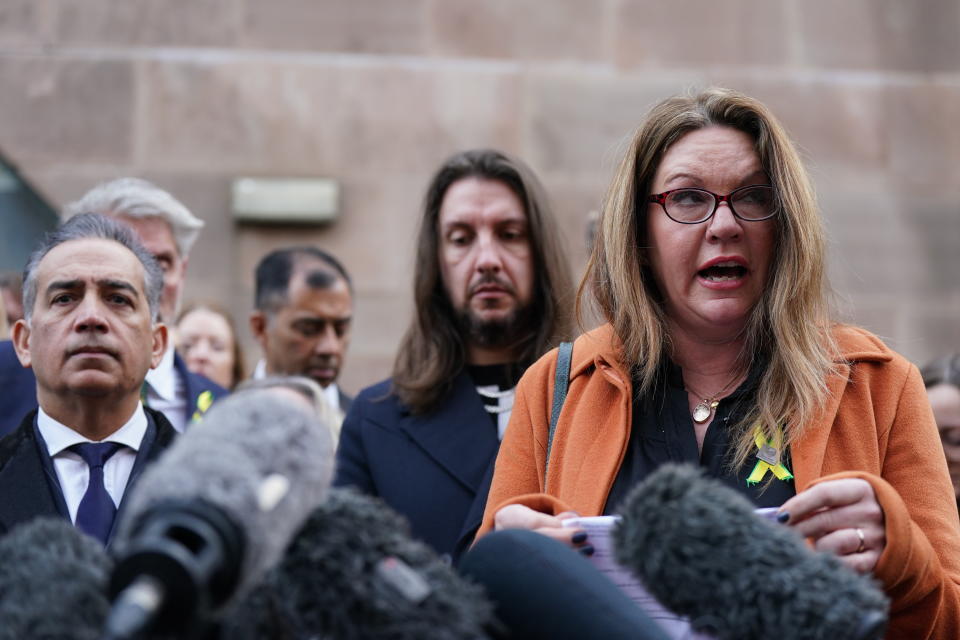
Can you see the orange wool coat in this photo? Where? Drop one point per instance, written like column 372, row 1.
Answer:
column 876, row 424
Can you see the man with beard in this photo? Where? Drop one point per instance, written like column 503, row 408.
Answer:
column 492, row 293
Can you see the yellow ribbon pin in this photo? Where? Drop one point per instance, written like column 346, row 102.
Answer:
column 204, row 401
column 768, row 459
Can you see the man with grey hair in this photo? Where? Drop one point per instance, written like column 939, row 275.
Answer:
column 90, row 333
column 168, row 230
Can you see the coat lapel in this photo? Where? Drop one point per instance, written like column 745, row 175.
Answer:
column 158, row 436
column 190, row 391
column 475, row 515
column 459, row 436
column 807, row 453
column 28, row 490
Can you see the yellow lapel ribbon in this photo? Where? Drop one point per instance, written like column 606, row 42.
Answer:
column 762, row 466
column 204, row 400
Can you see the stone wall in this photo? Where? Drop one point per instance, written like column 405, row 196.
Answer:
column 375, row 93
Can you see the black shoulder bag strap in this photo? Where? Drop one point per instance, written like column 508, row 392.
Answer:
column 560, row 385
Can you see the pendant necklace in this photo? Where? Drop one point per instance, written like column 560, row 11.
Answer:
column 704, row 409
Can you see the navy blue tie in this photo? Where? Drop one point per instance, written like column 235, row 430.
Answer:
column 96, row 512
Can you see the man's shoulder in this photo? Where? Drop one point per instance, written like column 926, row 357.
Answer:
column 165, row 433
column 12, row 444
column 380, row 394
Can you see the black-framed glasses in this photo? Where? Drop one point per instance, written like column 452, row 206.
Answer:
column 692, row 206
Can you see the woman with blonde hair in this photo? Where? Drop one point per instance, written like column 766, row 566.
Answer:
column 719, row 351
column 207, row 339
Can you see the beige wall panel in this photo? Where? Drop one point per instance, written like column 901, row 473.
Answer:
column 238, row 117
column 358, row 26
column 154, row 23
column 519, row 29
column 681, row 33
column 25, row 23
column 56, row 110
column 923, row 122
column 883, row 35
column 579, row 124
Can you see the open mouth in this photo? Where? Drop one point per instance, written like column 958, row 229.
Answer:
column 723, row 272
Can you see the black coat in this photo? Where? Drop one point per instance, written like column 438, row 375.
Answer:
column 435, row 469
column 28, row 482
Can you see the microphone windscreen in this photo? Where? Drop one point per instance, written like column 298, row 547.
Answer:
column 53, row 582
column 702, row 552
column 264, row 461
column 543, row 589
column 353, row 571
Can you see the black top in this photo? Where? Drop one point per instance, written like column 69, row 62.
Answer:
column 662, row 431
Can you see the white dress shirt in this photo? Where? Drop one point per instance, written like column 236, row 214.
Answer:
column 331, row 392
column 74, row 474
column 166, row 391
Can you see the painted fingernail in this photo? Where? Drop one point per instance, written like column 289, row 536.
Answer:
column 578, row 537
column 783, row 516
column 586, row 550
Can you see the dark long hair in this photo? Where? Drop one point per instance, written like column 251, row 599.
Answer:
column 433, row 352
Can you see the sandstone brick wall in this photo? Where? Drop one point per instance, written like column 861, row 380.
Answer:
column 375, row 93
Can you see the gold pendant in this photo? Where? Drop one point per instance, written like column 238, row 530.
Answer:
column 701, row 412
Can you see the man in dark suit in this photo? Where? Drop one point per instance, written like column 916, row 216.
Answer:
column 492, row 293
column 90, row 333
column 303, row 313
column 168, row 230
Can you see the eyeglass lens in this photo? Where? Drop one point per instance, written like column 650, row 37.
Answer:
column 694, row 205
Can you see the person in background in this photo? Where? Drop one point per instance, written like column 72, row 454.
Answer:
column 719, row 351
column 91, row 331
column 303, row 314
column 206, row 338
column 11, row 293
column 492, row 291
column 941, row 377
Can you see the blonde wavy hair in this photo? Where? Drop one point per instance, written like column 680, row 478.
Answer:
column 790, row 324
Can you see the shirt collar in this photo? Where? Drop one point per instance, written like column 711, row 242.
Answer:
column 163, row 379
column 59, row 436
column 332, row 395
column 331, row 392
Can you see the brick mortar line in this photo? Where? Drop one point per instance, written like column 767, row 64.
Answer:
column 212, row 56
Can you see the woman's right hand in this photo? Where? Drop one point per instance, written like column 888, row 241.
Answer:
column 517, row 516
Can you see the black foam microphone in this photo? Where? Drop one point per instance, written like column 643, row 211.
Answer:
column 53, row 582
column 543, row 589
column 215, row 512
column 353, row 571
column 702, row 552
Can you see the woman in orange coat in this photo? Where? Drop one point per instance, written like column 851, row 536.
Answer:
column 719, row 351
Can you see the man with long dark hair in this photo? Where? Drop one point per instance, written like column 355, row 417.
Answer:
column 492, row 293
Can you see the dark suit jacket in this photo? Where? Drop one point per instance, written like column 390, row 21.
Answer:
column 18, row 388
column 435, row 469
column 28, row 482
column 345, row 401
